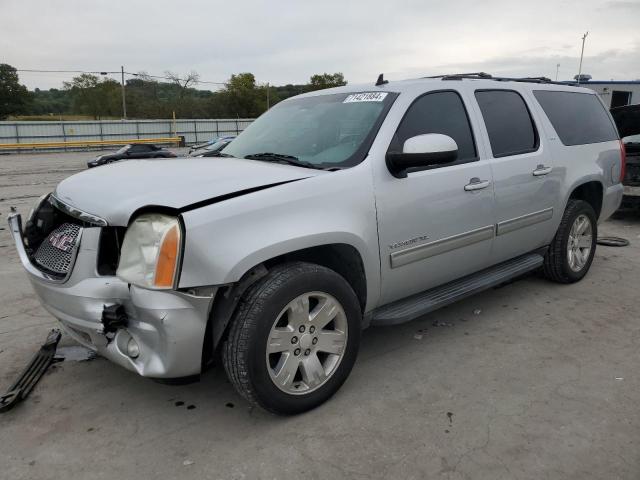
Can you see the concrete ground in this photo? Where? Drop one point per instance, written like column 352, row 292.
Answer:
column 530, row 381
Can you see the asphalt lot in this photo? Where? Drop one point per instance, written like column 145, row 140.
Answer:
column 531, row 380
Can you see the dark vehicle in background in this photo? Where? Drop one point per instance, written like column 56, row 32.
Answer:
column 627, row 119
column 131, row 151
column 213, row 149
column 200, row 146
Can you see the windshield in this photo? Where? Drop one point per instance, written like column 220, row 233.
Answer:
column 123, row 149
column 323, row 131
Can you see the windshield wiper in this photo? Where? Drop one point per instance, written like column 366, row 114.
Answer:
column 281, row 158
column 219, row 154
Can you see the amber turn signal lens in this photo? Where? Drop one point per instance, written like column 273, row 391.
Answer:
column 168, row 259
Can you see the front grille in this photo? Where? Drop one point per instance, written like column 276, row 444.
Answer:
column 55, row 253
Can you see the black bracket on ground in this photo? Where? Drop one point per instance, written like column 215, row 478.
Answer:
column 32, row 374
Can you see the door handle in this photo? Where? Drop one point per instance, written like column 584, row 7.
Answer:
column 476, row 184
column 542, row 170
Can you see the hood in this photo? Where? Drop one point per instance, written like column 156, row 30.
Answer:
column 114, row 192
column 627, row 119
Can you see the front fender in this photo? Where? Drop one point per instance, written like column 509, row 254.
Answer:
column 225, row 240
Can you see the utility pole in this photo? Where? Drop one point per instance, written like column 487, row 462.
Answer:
column 584, row 37
column 124, row 102
column 268, row 106
column 557, row 70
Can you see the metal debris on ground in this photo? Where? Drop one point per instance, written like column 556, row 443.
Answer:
column 74, row 353
column 420, row 333
column 613, row 241
column 186, row 463
column 438, row 323
column 28, row 379
column 477, row 311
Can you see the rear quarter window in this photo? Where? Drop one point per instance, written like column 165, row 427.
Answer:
column 578, row 118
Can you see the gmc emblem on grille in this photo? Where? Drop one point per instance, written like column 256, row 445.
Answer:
column 62, row 241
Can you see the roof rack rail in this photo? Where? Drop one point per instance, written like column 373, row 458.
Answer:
column 525, row 79
column 486, row 76
column 457, row 76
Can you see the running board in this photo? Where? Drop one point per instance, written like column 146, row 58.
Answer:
column 425, row 302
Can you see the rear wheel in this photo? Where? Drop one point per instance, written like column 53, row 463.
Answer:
column 294, row 338
column 571, row 253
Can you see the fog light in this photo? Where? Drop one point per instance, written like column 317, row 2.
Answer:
column 133, row 350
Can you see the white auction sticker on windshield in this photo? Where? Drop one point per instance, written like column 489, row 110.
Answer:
column 365, row 97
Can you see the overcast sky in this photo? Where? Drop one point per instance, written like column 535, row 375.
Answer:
column 285, row 41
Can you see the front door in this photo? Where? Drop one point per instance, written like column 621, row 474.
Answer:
column 436, row 224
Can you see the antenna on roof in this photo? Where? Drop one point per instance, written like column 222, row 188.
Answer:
column 381, row 80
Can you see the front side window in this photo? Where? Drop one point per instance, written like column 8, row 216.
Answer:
column 438, row 112
column 578, row 118
column 323, row 131
column 509, row 124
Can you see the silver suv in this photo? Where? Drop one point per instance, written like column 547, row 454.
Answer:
column 335, row 210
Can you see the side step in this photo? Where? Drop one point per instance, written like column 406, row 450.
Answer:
column 422, row 303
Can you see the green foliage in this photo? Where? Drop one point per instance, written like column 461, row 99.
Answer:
column 50, row 102
column 241, row 97
column 326, row 80
column 93, row 96
column 14, row 97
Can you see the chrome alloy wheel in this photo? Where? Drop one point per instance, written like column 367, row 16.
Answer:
column 306, row 343
column 579, row 243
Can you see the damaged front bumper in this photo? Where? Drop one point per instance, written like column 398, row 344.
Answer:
column 167, row 327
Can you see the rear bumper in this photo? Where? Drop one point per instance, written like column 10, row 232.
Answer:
column 168, row 326
column 633, row 192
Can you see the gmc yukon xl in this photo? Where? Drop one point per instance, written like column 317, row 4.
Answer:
column 334, row 211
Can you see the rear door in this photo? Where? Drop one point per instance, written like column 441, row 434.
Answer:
column 525, row 187
column 436, row 224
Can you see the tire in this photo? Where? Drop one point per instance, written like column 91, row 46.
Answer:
column 265, row 318
column 557, row 261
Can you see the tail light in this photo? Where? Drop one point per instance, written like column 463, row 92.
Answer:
column 623, row 161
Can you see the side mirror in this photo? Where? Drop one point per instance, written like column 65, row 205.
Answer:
column 422, row 151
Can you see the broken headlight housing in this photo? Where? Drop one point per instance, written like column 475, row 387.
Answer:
column 151, row 250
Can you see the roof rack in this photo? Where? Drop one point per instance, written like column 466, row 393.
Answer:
column 460, row 76
column 486, row 76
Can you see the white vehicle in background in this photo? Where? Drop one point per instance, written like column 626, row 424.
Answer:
column 335, row 210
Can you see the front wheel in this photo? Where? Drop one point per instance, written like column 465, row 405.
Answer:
column 570, row 254
column 294, row 338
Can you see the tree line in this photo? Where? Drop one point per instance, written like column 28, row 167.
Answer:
column 147, row 98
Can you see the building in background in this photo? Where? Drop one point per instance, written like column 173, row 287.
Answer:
column 613, row 93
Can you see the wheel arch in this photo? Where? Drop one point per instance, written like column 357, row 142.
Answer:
column 590, row 191
column 343, row 258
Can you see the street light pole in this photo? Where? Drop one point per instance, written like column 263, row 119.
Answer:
column 557, row 70
column 124, row 102
column 584, row 37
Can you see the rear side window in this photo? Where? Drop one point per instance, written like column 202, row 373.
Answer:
column 578, row 118
column 438, row 112
column 508, row 121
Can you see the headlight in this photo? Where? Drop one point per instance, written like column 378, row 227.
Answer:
column 151, row 251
